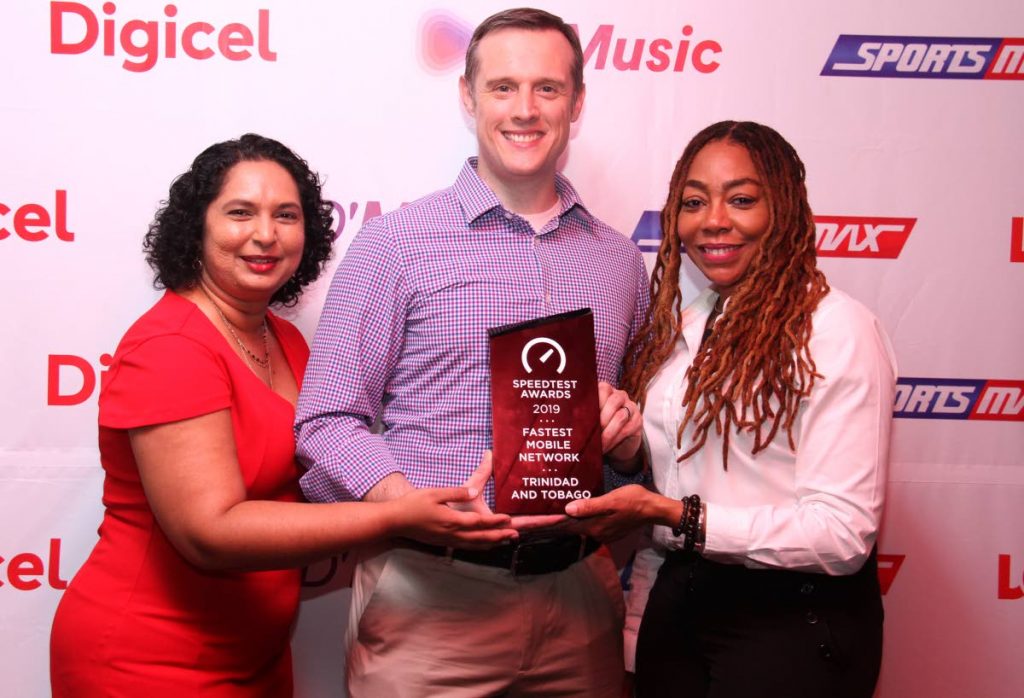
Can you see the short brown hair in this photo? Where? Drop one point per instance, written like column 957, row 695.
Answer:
column 533, row 20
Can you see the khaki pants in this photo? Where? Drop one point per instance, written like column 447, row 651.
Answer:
column 421, row 625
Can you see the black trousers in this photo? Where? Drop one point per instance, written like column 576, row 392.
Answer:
column 719, row 631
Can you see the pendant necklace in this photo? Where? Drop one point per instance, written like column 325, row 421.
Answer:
column 253, row 360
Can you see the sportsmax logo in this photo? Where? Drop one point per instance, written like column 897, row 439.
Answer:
column 959, row 398
column 75, row 28
column 1017, row 240
column 853, row 236
column 647, row 234
column 959, row 58
column 35, row 222
column 838, row 236
column 888, row 568
column 444, row 38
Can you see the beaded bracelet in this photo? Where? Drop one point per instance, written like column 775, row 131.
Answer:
column 692, row 524
column 680, row 528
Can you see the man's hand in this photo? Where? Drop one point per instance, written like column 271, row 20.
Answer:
column 521, row 523
column 476, row 482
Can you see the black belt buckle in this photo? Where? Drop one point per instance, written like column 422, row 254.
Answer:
column 545, row 555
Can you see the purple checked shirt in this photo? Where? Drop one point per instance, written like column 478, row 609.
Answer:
column 403, row 333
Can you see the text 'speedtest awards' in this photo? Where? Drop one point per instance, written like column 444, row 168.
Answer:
column 547, row 426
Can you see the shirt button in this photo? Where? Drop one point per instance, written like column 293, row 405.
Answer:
column 508, row 216
column 807, row 588
column 811, row 618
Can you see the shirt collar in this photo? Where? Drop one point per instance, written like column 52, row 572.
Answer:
column 477, row 198
column 695, row 317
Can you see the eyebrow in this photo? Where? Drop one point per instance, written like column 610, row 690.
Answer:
column 543, row 81
column 697, row 184
column 246, row 202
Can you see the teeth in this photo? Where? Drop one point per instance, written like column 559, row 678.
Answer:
column 522, row 137
column 719, row 251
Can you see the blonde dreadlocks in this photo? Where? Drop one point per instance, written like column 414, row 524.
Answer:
column 755, row 366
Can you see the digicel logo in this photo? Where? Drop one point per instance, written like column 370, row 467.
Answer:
column 1005, row 590
column 1017, row 239
column 24, row 569
column 34, row 222
column 75, row 28
column 62, row 367
column 858, row 236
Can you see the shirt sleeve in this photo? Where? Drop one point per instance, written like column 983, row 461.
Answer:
column 163, row 379
column 643, row 298
column 841, row 460
column 355, row 349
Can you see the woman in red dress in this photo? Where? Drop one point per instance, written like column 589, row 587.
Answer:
column 193, row 585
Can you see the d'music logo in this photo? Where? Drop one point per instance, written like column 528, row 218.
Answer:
column 672, row 53
column 444, row 38
column 872, row 237
column 77, row 28
column 352, row 216
column 35, row 222
column 951, row 58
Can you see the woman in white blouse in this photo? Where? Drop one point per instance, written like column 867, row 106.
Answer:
column 767, row 407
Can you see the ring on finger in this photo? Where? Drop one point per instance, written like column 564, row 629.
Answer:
column 629, row 412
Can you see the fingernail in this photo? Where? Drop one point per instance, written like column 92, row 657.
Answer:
column 571, row 508
column 473, row 492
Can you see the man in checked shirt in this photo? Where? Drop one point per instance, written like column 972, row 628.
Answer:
column 403, row 336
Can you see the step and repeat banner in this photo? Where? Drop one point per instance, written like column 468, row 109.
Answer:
column 907, row 115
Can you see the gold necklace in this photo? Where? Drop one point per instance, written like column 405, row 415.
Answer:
column 254, row 361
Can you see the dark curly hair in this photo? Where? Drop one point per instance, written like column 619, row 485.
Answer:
column 174, row 242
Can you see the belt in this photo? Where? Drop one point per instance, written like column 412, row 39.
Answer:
column 740, row 584
column 525, row 557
